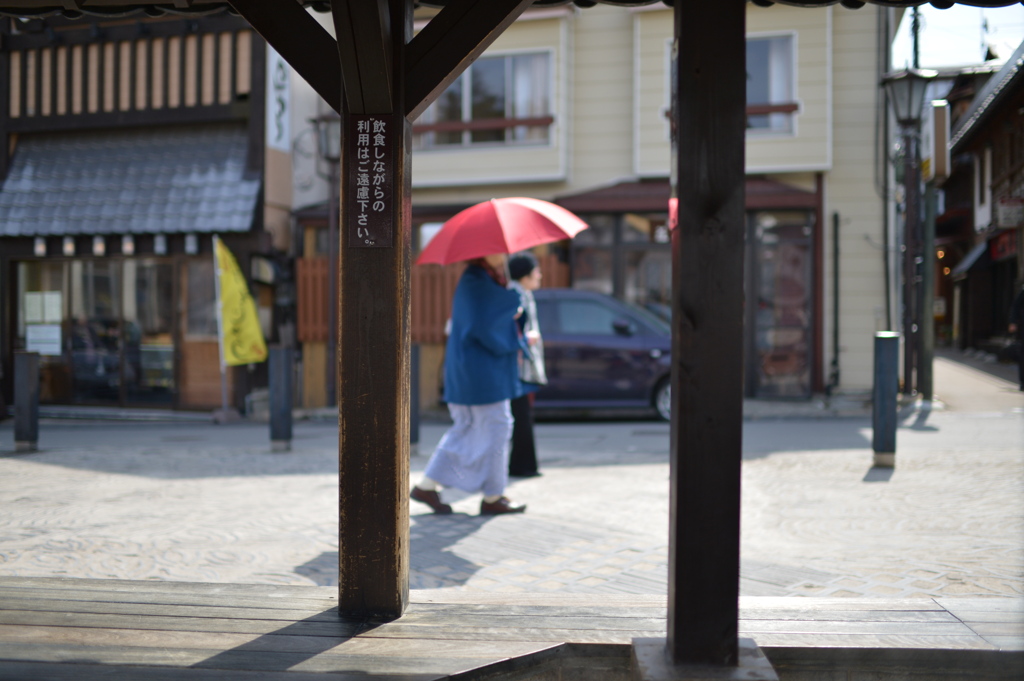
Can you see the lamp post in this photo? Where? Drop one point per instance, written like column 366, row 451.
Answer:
column 906, row 93
column 328, row 135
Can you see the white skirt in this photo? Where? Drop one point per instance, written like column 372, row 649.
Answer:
column 473, row 454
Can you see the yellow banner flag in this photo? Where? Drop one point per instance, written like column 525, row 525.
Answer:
column 241, row 339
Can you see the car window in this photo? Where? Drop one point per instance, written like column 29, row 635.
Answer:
column 656, row 323
column 585, row 317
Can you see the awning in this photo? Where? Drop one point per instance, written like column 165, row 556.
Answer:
column 651, row 196
column 182, row 179
column 976, row 257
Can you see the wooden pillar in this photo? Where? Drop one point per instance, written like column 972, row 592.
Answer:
column 709, row 123
column 375, row 252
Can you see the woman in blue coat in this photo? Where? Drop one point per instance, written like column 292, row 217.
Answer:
column 481, row 377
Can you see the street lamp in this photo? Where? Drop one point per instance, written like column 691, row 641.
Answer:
column 328, row 136
column 906, row 93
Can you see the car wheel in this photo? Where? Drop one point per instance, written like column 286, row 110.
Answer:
column 663, row 399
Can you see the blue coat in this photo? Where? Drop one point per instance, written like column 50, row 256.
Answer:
column 481, row 357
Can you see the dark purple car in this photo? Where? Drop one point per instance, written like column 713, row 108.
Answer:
column 602, row 353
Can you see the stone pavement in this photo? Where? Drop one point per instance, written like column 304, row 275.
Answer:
column 200, row 502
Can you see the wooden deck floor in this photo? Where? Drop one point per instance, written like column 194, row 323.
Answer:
column 89, row 629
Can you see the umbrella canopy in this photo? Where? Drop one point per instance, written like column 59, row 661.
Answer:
column 500, row 226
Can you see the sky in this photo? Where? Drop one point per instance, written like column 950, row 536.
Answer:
column 955, row 36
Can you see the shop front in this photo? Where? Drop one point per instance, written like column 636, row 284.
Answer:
column 626, row 253
column 109, row 331
column 106, row 262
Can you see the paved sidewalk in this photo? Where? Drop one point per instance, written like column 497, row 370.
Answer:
column 199, row 502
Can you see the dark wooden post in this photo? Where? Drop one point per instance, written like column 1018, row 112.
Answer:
column 709, row 102
column 388, row 79
column 375, row 253
column 26, row 401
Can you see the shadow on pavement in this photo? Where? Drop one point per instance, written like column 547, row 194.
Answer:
column 763, row 438
column 180, row 451
column 879, row 474
column 435, row 565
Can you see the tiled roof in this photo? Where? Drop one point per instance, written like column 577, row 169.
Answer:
column 182, row 179
column 651, row 196
column 999, row 86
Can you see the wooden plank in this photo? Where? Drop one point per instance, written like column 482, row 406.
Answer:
column 482, row 631
column 179, row 598
column 233, row 625
column 989, row 629
column 1013, row 643
column 422, row 596
column 164, row 587
column 708, row 123
column 222, row 611
column 363, row 32
column 841, row 627
column 272, row 642
column 42, row 671
column 847, row 641
column 985, row 604
column 556, row 610
column 367, row 665
column 751, row 604
column 972, row 617
column 876, row 615
column 449, row 43
column 537, row 621
column 304, row 44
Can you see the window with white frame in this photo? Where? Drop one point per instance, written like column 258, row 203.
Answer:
column 770, row 98
column 501, row 100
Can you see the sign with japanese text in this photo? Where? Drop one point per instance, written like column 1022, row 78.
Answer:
column 935, row 142
column 278, row 103
column 370, row 191
column 1009, row 211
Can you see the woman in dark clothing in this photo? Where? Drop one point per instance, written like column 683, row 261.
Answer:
column 526, row 275
column 480, row 377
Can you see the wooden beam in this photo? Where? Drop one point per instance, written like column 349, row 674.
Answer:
column 303, row 43
column 374, row 358
column 363, row 28
column 709, row 121
column 452, row 41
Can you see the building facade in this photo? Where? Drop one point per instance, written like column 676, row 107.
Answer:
column 128, row 144
column 572, row 107
column 985, row 207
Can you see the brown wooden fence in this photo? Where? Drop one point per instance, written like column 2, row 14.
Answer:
column 313, row 297
column 432, row 289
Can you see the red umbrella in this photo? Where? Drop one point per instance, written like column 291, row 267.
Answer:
column 500, row 226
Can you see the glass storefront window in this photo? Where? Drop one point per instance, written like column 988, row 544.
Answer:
column 601, row 231
column 41, row 326
column 148, row 338
column 648, row 281
column 652, row 229
column 201, row 306
column 592, row 269
column 782, row 270
column 95, row 330
column 103, row 328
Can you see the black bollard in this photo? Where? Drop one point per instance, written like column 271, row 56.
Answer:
column 26, row 401
column 885, row 405
column 281, row 364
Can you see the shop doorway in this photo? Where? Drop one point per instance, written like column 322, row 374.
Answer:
column 779, row 308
